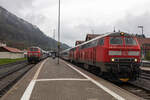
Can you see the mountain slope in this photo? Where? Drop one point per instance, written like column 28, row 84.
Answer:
column 17, row 32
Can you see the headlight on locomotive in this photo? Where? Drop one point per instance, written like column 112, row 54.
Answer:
column 112, row 59
column 133, row 53
column 135, row 60
column 113, row 53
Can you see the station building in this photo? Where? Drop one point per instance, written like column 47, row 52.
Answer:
column 79, row 42
column 2, row 44
column 91, row 36
column 145, row 47
column 10, row 53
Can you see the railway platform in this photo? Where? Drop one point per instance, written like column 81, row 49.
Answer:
column 51, row 81
column 145, row 68
column 145, row 63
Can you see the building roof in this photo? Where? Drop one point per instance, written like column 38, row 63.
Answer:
column 2, row 44
column 143, row 41
column 10, row 49
column 91, row 36
column 79, row 42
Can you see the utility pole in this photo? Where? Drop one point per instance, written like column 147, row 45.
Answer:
column 142, row 48
column 58, row 30
column 54, row 34
column 54, row 37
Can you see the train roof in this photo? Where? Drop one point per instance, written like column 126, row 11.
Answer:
column 101, row 36
column 120, row 34
column 104, row 35
column 34, row 47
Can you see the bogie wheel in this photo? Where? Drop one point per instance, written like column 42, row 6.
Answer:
column 86, row 66
column 95, row 70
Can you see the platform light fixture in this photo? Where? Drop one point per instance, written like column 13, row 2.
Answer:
column 141, row 28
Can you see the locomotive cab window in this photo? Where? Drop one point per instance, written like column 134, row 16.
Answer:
column 101, row 41
column 116, row 40
column 33, row 49
column 130, row 41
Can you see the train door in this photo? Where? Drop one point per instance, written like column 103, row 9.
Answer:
column 94, row 44
column 77, row 54
column 94, row 55
column 100, row 55
column 73, row 54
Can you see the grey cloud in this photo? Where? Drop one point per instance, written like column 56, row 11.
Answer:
column 70, row 33
column 131, row 22
column 15, row 6
column 128, row 24
column 36, row 18
column 78, row 32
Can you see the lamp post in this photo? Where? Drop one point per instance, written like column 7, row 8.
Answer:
column 54, row 40
column 141, row 28
column 142, row 48
column 58, row 45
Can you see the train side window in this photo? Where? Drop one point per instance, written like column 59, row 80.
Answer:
column 83, row 46
column 93, row 43
column 88, row 45
column 96, row 42
column 80, row 47
column 74, row 49
column 101, row 41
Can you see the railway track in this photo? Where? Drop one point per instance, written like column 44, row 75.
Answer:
column 6, row 70
column 11, row 73
column 140, row 87
column 136, row 89
column 146, row 63
column 145, row 75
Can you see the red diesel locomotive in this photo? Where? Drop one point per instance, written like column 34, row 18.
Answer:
column 35, row 54
column 115, row 55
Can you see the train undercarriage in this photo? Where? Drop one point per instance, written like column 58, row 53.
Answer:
column 33, row 59
column 123, row 71
column 116, row 71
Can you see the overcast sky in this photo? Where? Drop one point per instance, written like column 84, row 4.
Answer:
column 79, row 17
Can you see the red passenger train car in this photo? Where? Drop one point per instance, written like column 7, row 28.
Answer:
column 115, row 55
column 35, row 54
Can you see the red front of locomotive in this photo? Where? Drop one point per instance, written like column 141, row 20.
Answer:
column 34, row 54
column 122, row 56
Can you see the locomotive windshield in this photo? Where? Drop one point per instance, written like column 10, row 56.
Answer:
column 116, row 40
column 33, row 49
column 130, row 41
